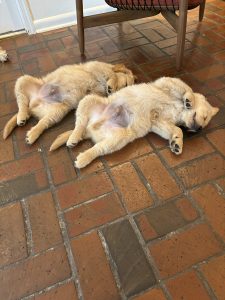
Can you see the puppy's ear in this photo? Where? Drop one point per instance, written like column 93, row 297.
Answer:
column 215, row 110
column 120, row 68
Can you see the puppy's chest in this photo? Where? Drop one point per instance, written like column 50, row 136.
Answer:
column 171, row 111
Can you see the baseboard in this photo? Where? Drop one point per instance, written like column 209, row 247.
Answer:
column 67, row 19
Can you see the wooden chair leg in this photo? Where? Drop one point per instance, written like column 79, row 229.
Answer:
column 201, row 10
column 181, row 32
column 80, row 24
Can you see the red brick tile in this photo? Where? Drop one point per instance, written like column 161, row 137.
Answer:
column 84, row 189
column 61, row 166
column 44, row 222
column 153, row 294
column 213, row 206
column 134, row 193
column 6, row 150
column 25, row 149
column 12, row 238
column 103, row 210
column 184, row 249
column 146, row 229
column 20, row 167
column 214, row 272
column 187, row 286
column 187, row 210
column 213, row 71
column 8, row 108
column 202, row 170
column 66, row 291
column 221, row 183
column 217, row 137
column 135, row 149
column 89, row 256
column 156, row 140
column 10, row 76
column 190, row 151
column 34, row 274
column 158, row 177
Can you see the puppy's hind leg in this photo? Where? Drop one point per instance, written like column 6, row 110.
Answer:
column 25, row 87
column 170, row 132
column 117, row 141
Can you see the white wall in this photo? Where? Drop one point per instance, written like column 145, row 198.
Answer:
column 49, row 14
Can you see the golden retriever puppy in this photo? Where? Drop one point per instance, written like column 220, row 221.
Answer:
column 132, row 112
column 50, row 98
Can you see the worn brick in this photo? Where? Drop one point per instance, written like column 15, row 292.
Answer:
column 134, row 193
column 186, row 208
column 20, row 167
column 44, row 223
column 161, row 220
column 135, row 149
column 217, row 137
column 202, row 170
column 103, row 210
column 65, row 291
column 83, row 190
column 90, row 257
column 12, row 237
column 153, row 294
column 190, row 151
column 133, row 268
column 23, row 186
column 158, row 177
column 213, row 206
column 6, row 150
column 214, row 272
column 34, row 274
column 212, row 71
column 187, row 286
column 184, row 249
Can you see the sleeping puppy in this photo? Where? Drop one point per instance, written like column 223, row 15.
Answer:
column 51, row 97
column 132, row 112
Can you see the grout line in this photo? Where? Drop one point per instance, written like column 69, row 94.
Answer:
column 205, row 283
column 63, row 227
column 27, row 225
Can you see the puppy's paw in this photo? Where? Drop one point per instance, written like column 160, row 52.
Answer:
column 21, row 119
column 31, row 136
column 109, row 90
column 71, row 142
column 3, row 56
column 188, row 100
column 176, row 145
column 82, row 161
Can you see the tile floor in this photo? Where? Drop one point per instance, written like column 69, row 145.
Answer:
column 138, row 224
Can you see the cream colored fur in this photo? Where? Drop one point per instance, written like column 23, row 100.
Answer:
column 51, row 97
column 160, row 107
column 3, row 55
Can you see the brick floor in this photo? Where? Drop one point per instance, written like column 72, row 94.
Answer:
column 140, row 223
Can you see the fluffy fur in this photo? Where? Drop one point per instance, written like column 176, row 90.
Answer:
column 132, row 112
column 51, row 97
column 3, row 55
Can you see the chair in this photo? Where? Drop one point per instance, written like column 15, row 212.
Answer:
column 135, row 9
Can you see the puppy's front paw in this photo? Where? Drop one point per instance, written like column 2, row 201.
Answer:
column 71, row 142
column 31, row 136
column 82, row 161
column 188, row 100
column 176, row 145
column 109, row 90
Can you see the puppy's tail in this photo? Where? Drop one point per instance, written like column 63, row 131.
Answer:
column 10, row 125
column 60, row 140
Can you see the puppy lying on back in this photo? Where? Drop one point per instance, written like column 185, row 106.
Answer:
column 132, row 112
column 50, row 98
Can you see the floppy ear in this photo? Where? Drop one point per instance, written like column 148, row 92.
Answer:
column 121, row 68
column 215, row 110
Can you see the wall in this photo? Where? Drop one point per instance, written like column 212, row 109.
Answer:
column 50, row 14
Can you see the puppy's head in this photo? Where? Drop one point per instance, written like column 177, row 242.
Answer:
column 122, row 78
column 201, row 114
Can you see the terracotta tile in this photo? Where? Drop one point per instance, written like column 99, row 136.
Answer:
column 158, row 177
column 135, row 194
column 187, row 286
column 153, row 294
column 213, row 206
column 65, row 291
column 182, row 250
column 214, row 272
column 217, row 137
column 90, row 256
column 12, row 239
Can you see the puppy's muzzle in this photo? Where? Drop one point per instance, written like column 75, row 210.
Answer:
column 195, row 127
